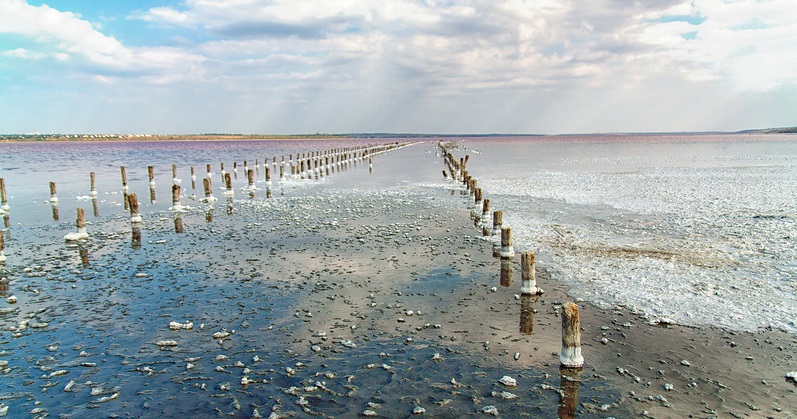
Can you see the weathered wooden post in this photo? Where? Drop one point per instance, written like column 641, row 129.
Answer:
column 151, row 175
column 93, row 185
column 135, row 217
column 528, row 285
column 176, row 198
column 250, row 177
column 175, row 180
column 570, row 356
column 83, row 251
column 53, row 197
column 208, row 189
column 209, row 174
column 80, row 223
column 498, row 220
column 95, row 207
column 193, row 178
column 268, row 175
column 53, row 201
column 178, row 222
column 228, row 182
column 2, row 248
column 478, row 195
column 3, row 198
column 507, row 251
column 124, row 179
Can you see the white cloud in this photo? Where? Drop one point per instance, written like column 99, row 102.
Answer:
column 66, row 38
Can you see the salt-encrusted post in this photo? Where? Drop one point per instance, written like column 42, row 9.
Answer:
column 132, row 201
column 209, row 174
column 498, row 220
column 507, row 251
column 208, row 189
column 151, row 175
column 93, row 185
column 478, row 195
column 268, row 175
column 53, row 201
column 527, row 314
column 570, row 356
column 53, row 197
column 485, row 215
column 2, row 248
column 3, row 198
column 95, row 207
column 176, row 198
column 124, row 178
column 175, row 180
column 124, row 187
column 80, row 223
column 250, row 177
column 193, row 178
column 528, row 285
column 506, row 272
column 228, row 183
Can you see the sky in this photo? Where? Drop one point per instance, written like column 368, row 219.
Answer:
column 399, row 66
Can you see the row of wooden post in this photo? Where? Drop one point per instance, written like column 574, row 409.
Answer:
column 570, row 355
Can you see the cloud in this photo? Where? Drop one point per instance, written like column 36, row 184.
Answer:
column 75, row 43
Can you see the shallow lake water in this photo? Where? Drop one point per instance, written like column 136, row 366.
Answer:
column 308, row 297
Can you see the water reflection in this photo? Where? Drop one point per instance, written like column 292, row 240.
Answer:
column 95, row 207
column 55, row 210
column 527, row 314
column 3, row 288
column 136, row 239
column 506, row 272
column 83, row 251
column 568, row 397
column 178, row 222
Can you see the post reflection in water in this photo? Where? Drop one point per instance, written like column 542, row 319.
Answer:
column 3, row 288
column 229, row 205
column 209, row 214
column 136, row 240
column 55, row 211
column 152, row 195
column 527, row 314
column 95, row 207
column 178, row 222
column 506, row 272
column 568, row 396
column 83, row 251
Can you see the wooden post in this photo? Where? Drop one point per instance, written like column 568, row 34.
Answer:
column 3, row 197
column 53, row 197
column 2, row 248
column 268, row 175
column 228, row 183
column 250, row 176
column 478, row 195
column 208, row 175
column 93, row 185
column 485, row 208
column 193, row 178
column 570, row 356
column 175, row 180
column 176, row 198
column 507, row 251
column 151, row 175
column 528, row 285
column 80, row 223
column 124, row 178
column 132, row 200
column 208, row 190
column 498, row 220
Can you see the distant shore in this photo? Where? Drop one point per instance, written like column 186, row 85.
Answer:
column 36, row 137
